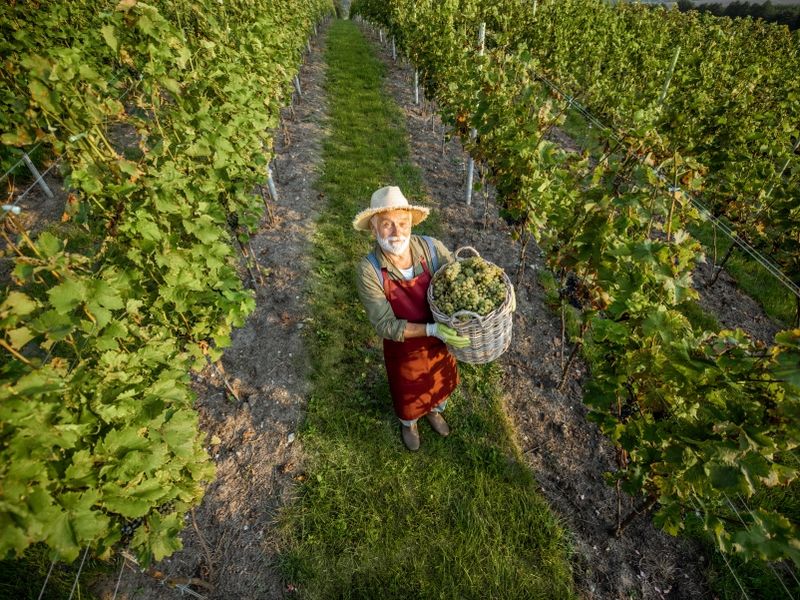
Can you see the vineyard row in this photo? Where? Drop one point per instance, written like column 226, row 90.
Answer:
column 108, row 310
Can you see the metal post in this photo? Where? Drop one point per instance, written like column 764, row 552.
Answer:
column 470, row 173
column 416, row 87
column 394, row 50
column 669, row 75
column 380, row 35
column 535, row 2
column 271, row 184
column 308, row 45
column 297, row 86
column 35, row 172
column 315, row 29
column 473, row 133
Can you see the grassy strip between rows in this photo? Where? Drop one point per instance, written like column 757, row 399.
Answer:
column 461, row 518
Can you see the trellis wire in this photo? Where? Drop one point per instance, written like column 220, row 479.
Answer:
column 40, row 177
column 725, row 558
column 78, row 574
column 184, row 588
column 26, row 155
column 37, row 176
column 762, row 260
column 119, row 578
column 46, row 579
column 35, row 183
column 738, row 516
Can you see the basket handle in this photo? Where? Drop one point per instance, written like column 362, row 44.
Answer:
column 466, row 248
column 468, row 313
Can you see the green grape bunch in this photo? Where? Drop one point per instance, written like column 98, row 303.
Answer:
column 471, row 284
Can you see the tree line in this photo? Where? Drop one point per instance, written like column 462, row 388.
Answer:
column 783, row 15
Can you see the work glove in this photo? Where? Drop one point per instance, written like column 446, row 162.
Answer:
column 447, row 334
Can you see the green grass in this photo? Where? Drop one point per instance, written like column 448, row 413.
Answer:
column 461, row 518
column 753, row 279
column 23, row 579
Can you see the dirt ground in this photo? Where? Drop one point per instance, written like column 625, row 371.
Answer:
column 232, row 545
column 37, row 209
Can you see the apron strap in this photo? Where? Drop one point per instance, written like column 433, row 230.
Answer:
column 432, row 250
column 375, row 265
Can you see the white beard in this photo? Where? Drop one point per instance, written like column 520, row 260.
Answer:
column 394, row 244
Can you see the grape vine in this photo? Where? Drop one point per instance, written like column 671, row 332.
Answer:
column 107, row 313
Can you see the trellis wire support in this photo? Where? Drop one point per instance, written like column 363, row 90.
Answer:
column 315, row 29
column 535, row 4
column 35, row 172
column 78, row 575
column 669, row 75
column 46, row 579
column 380, row 35
column 470, row 169
column 394, row 50
column 271, row 184
column 473, row 133
column 297, row 86
column 308, row 45
column 416, row 87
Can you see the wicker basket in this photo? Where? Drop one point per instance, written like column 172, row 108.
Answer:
column 490, row 336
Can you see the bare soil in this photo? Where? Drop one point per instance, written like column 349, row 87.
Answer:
column 732, row 307
column 38, row 210
column 230, row 548
column 567, row 453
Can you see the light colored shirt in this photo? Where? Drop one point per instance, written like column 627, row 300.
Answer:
column 370, row 290
column 408, row 273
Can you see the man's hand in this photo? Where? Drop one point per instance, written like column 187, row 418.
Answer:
column 447, row 334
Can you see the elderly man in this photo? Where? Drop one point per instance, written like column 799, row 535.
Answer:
column 392, row 283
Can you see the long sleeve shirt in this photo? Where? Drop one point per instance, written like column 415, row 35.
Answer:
column 370, row 290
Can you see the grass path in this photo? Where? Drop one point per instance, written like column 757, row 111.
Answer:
column 460, row 518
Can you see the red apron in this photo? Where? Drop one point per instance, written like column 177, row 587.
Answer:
column 421, row 371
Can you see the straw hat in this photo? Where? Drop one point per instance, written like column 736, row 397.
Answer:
column 386, row 199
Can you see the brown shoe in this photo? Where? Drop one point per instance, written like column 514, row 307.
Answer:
column 438, row 423
column 410, row 437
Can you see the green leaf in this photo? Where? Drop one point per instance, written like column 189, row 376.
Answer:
column 67, row 295
column 726, row 478
column 20, row 336
column 18, row 304
column 109, row 35
column 48, row 244
column 42, row 95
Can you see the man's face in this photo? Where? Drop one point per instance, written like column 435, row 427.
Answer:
column 393, row 230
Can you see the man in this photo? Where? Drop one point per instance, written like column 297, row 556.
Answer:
column 392, row 283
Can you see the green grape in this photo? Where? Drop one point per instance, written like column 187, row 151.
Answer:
column 471, row 284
